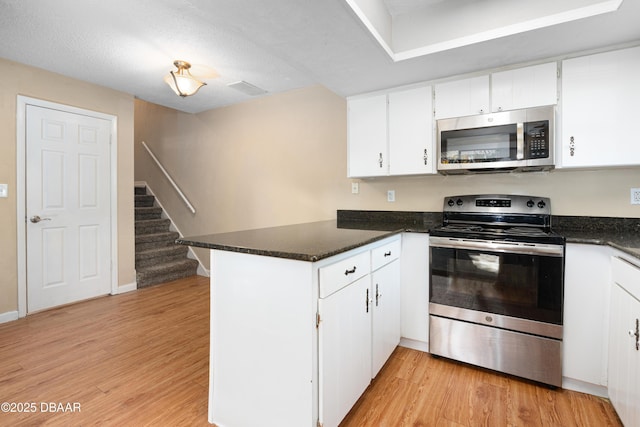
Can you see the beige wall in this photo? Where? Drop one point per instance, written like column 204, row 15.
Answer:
column 271, row 161
column 592, row 193
column 32, row 82
column 282, row 159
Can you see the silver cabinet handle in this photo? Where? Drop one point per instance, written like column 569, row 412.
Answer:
column 37, row 218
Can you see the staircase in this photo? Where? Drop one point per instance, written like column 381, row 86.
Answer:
column 158, row 258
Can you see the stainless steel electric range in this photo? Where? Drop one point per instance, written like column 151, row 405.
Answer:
column 496, row 286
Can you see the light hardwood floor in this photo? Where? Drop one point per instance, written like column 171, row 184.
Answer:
column 142, row 359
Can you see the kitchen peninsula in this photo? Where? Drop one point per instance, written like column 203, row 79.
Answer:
column 302, row 317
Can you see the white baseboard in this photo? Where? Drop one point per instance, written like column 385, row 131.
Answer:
column 126, row 288
column 414, row 344
column 9, row 316
column 202, row 271
column 585, row 387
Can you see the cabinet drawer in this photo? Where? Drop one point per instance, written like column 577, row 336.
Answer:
column 336, row 276
column 627, row 276
column 385, row 254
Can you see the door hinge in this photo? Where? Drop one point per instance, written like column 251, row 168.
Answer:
column 318, row 320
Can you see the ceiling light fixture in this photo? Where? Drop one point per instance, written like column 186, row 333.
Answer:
column 181, row 81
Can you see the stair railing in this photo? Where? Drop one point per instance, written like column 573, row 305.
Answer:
column 173, row 183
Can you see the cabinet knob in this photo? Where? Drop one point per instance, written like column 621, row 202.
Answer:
column 572, row 146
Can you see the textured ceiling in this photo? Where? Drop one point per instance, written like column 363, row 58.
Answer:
column 276, row 45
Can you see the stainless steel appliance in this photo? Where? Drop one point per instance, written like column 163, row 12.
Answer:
column 496, row 286
column 517, row 140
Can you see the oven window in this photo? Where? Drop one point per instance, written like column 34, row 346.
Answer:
column 498, row 143
column 517, row 285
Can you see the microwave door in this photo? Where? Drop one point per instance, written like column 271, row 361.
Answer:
column 482, row 145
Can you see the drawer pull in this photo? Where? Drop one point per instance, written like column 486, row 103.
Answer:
column 386, row 254
column 347, row 272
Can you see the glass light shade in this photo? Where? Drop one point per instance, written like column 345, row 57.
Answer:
column 181, row 81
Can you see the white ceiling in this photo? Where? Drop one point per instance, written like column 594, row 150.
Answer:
column 278, row 45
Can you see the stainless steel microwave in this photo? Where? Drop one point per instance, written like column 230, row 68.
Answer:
column 517, row 140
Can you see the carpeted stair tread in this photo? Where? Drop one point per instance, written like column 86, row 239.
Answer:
column 150, row 212
column 166, row 236
column 146, row 200
column 161, row 254
column 151, row 226
column 165, row 272
column 158, row 259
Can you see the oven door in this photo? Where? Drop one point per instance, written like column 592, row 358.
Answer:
column 517, row 286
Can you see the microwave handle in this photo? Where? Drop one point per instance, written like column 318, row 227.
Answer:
column 520, row 141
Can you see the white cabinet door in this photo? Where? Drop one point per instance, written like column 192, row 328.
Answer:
column 414, row 276
column 385, row 286
column 464, row 97
column 411, row 142
column 344, row 349
column 367, row 136
column 586, row 313
column 624, row 354
column 526, row 87
column 600, row 110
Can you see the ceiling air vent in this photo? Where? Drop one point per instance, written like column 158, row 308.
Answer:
column 247, row 88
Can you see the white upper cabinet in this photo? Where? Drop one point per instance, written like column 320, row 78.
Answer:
column 391, row 133
column 464, row 97
column 600, row 110
column 526, row 87
column 367, row 136
column 411, row 146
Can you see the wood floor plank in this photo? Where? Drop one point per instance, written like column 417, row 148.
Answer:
column 141, row 359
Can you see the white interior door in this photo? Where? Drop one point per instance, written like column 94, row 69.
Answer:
column 67, row 207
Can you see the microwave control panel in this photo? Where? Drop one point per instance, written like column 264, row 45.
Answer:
column 537, row 139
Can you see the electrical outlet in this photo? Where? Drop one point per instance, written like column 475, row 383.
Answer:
column 391, row 196
column 355, row 188
column 635, row 196
column 4, row 190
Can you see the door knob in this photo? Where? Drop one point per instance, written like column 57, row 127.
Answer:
column 37, row 218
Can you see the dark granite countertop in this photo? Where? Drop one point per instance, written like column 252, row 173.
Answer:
column 619, row 233
column 306, row 242
column 318, row 240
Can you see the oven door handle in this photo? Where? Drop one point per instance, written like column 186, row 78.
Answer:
column 495, row 246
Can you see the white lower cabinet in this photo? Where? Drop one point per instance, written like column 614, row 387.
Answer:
column 385, row 290
column 624, row 346
column 358, row 328
column 344, row 349
column 414, row 291
column 292, row 343
column 586, row 318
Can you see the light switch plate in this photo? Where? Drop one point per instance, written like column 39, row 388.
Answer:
column 635, row 196
column 4, row 190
